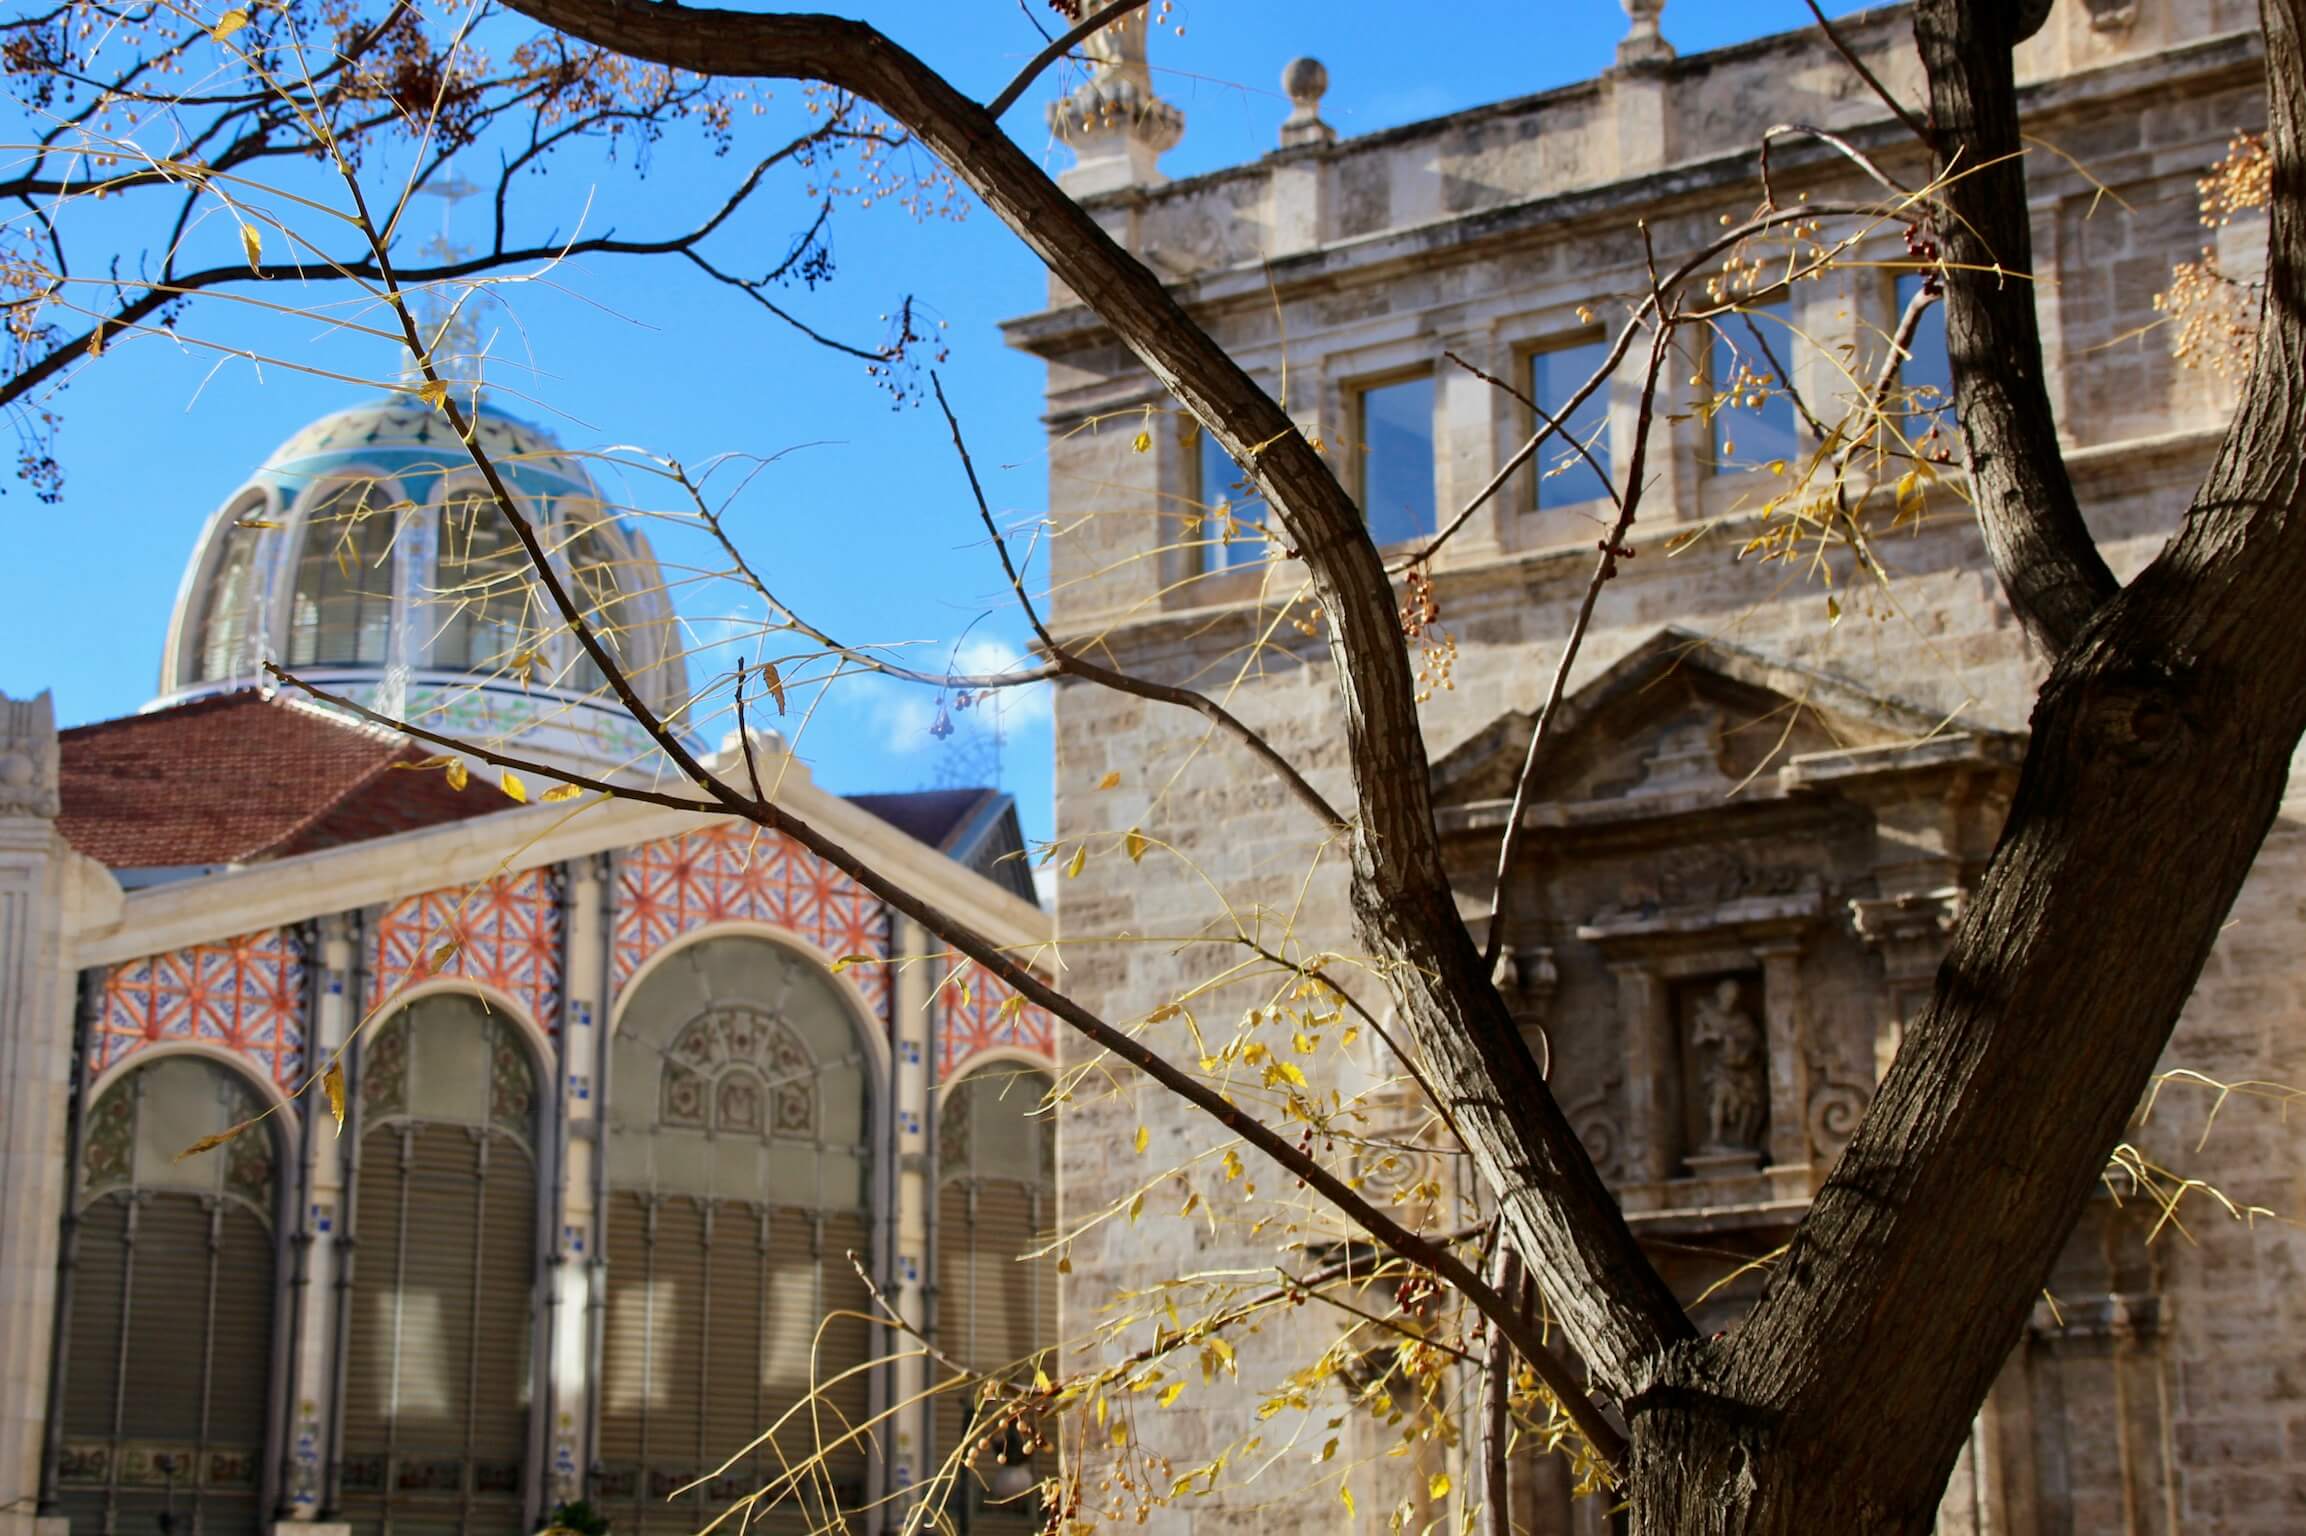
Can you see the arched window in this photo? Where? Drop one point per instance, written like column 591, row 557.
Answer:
column 739, row 1178
column 596, row 567
column 484, row 582
column 341, row 613
column 996, row 1198
column 167, row 1367
column 444, row 1213
column 222, row 638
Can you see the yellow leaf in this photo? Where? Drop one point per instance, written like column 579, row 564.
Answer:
column 1112, row 780
column 96, row 340
column 513, row 788
column 443, row 955
column 1330, row 1449
column 1011, row 1006
column 1079, row 860
column 211, row 1143
column 1437, row 1487
column 1172, row 1392
column 1137, row 1206
column 1346, row 1494
column 846, row 961
column 1833, row 610
column 252, row 243
column 1142, row 443
column 228, row 23
column 457, row 774
column 254, row 522
column 1065, row 1267
column 1908, row 484
column 776, row 684
column 332, row 1084
column 1777, row 466
column 560, row 792
column 1144, row 1138
column 1136, row 842
column 433, row 392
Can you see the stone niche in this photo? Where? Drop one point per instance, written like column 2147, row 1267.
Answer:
column 1736, row 880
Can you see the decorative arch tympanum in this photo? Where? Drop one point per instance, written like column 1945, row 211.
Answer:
column 445, row 1218
column 167, row 1366
column 740, row 1179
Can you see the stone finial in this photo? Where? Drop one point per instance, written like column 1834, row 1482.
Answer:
column 1643, row 43
column 1114, row 124
column 28, row 764
column 1305, row 80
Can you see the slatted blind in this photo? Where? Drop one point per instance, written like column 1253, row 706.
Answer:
column 995, row 1309
column 437, row 1383
column 737, row 1190
column 167, row 1373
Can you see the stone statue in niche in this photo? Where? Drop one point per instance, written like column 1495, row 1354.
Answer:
column 1731, row 1056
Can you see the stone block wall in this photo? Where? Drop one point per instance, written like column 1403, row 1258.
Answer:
column 2162, row 1395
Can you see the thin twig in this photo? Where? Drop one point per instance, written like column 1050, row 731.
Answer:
column 1913, row 125
column 1613, row 546
column 1088, row 27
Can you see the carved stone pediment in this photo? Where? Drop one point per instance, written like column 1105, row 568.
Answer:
column 1684, row 724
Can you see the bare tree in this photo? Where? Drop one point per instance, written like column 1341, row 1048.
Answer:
column 2166, row 727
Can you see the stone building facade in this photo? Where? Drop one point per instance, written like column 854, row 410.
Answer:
column 1760, row 813
column 641, row 1110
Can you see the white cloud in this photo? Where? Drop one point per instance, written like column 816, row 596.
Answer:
column 906, row 713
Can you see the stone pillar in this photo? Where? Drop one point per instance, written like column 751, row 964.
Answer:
column 336, row 1011
column 916, row 1193
column 584, row 1029
column 37, row 995
column 1465, row 433
column 1652, row 1075
column 1910, row 932
column 1789, row 1137
column 1639, row 92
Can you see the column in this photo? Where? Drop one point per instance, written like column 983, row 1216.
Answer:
column 577, row 1275
column 1652, row 1075
column 1789, row 1135
column 912, row 982
column 336, row 1011
column 37, row 994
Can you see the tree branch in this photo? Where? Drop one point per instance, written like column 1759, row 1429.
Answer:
column 1564, row 1220
column 2042, row 550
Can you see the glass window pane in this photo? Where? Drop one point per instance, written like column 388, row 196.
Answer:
column 1927, row 374
column 224, row 646
column 1396, row 438
column 483, row 581
column 342, row 610
column 1566, row 476
column 1235, row 511
column 1751, row 353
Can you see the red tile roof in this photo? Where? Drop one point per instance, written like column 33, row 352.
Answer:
column 243, row 776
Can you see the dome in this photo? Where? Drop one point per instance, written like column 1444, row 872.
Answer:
column 367, row 557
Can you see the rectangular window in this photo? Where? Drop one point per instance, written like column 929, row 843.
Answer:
column 1393, row 436
column 1567, row 477
column 1926, row 376
column 1751, row 354
column 1232, row 508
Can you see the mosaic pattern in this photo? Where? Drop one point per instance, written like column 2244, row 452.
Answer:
column 733, row 873
column 981, row 1014
column 506, row 935
column 246, row 995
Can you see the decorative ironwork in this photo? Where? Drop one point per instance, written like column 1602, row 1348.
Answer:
column 245, row 995
column 735, row 873
column 503, row 933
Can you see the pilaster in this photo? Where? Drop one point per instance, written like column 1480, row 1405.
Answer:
column 37, row 993
column 913, row 984
column 584, row 1026
column 335, row 1014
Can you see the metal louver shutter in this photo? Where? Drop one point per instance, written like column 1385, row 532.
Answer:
column 736, row 1405
column 167, row 1380
column 436, row 1412
column 992, row 1314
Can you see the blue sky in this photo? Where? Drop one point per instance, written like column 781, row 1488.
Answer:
column 864, row 520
